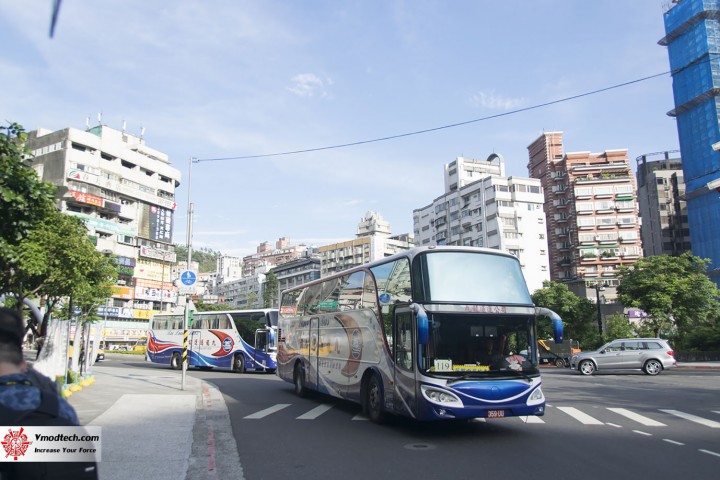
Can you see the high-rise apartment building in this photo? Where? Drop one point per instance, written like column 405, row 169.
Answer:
column 373, row 242
column 482, row 207
column 124, row 191
column 692, row 36
column 592, row 218
column 661, row 200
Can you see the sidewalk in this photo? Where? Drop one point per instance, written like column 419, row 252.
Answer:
column 699, row 365
column 152, row 428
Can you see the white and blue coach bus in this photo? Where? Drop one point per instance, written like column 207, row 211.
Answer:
column 237, row 339
column 431, row 333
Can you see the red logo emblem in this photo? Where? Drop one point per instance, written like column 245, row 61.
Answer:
column 15, row 444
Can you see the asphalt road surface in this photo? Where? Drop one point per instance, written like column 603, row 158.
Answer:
column 614, row 425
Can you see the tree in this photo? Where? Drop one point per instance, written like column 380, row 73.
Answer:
column 24, row 200
column 619, row 326
column 577, row 313
column 250, row 301
column 270, row 292
column 675, row 292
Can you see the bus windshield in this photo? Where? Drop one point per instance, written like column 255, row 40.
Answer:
column 461, row 343
column 471, row 278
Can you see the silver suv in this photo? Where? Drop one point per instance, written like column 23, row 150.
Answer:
column 652, row 355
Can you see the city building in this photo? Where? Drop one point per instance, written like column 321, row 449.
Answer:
column 245, row 292
column 482, row 207
column 269, row 257
column 124, row 191
column 296, row 272
column 592, row 215
column 373, row 241
column 228, row 268
column 692, row 40
column 661, row 200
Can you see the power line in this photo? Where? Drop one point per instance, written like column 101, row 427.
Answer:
column 444, row 127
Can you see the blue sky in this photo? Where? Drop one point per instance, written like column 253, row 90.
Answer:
column 243, row 78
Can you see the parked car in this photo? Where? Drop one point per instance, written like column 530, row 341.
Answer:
column 651, row 355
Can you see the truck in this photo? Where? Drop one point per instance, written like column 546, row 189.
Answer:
column 557, row 354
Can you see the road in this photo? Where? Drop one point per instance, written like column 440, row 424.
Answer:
column 625, row 425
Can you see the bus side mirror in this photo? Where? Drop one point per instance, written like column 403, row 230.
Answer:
column 422, row 324
column 556, row 322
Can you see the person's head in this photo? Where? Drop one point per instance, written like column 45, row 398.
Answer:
column 12, row 333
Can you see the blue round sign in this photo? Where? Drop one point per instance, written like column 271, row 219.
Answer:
column 188, row 278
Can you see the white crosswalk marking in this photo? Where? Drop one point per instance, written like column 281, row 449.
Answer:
column 532, row 419
column 648, row 422
column 268, row 411
column 360, row 416
column 315, row 412
column 693, row 418
column 581, row 417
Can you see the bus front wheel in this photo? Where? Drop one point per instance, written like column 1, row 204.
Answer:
column 239, row 363
column 175, row 362
column 374, row 400
column 299, row 381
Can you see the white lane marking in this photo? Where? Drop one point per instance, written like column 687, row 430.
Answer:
column 268, row 411
column 643, row 433
column 710, row 452
column 693, row 418
column 648, row 422
column 532, row 419
column 360, row 416
column 672, row 441
column 315, row 412
column 581, row 417
column 614, row 425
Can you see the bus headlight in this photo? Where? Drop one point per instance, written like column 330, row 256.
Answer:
column 536, row 397
column 440, row 397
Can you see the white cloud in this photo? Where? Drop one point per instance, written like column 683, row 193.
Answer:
column 310, row 85
column 489, row 99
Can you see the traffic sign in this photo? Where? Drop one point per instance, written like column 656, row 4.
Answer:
column 188, row 277
column 187, row 282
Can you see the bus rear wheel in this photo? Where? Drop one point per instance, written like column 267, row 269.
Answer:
column 175, row 362
column 239, row 363
column 299, row 381
column 374, row 400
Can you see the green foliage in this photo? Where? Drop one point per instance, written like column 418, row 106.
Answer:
column 674, row 291
column 619, row 326
column 578, row 314
column 205, row 257
column 270, row 292
column 24, row 200
column 211, row 307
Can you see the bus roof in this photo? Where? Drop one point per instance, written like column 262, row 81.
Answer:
column 411, row 252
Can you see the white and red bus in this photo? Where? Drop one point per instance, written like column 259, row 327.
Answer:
column 431, row 333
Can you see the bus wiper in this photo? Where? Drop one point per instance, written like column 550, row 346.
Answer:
column 469, row 376
column 518, row 373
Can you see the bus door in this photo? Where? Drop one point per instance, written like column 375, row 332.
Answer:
column 313, row 349
column 262, row 346
column 405, row 362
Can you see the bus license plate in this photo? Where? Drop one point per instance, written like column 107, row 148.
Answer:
column 496, row 413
